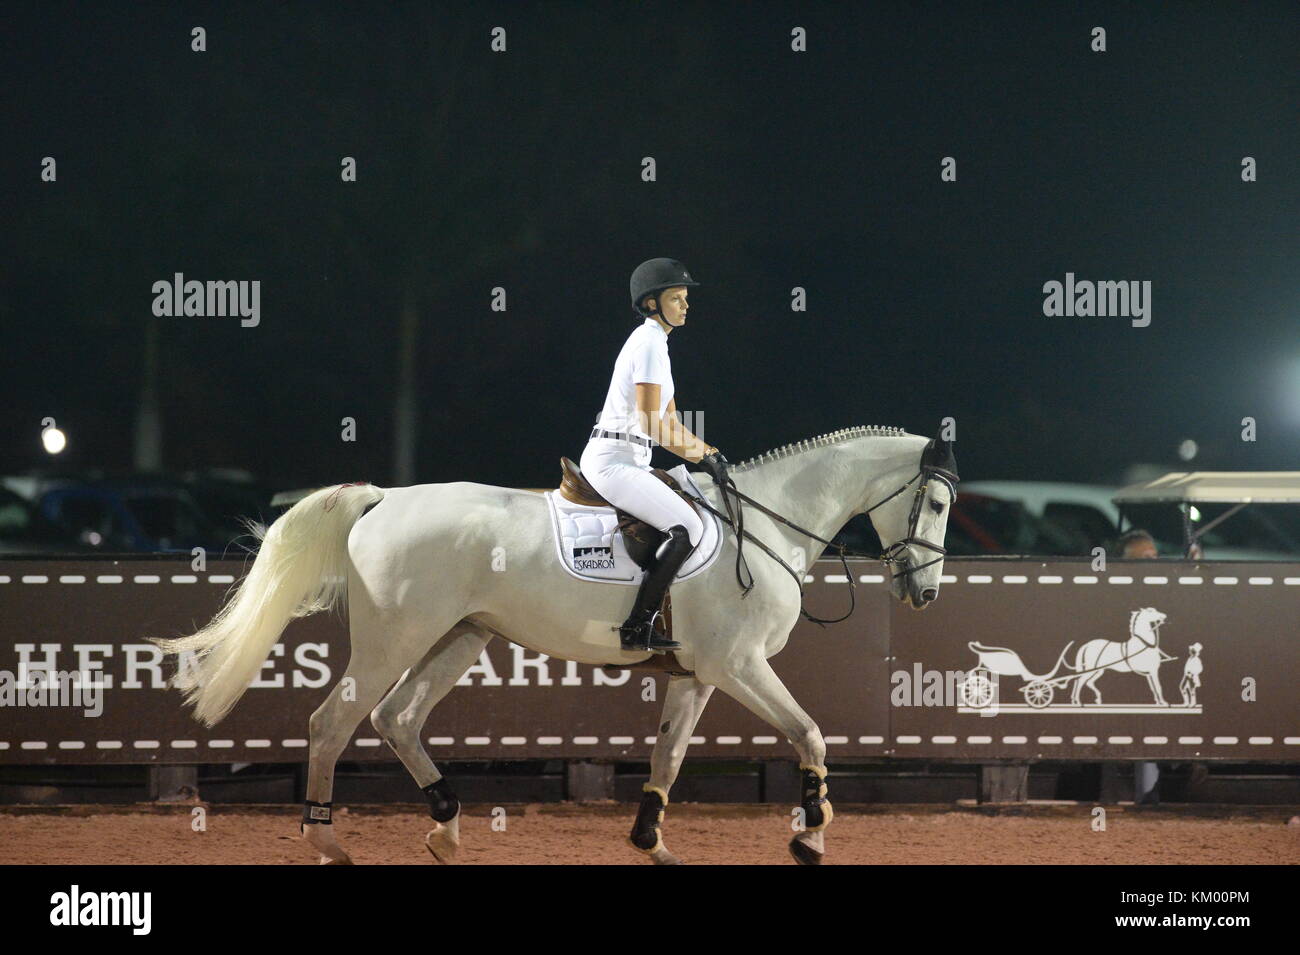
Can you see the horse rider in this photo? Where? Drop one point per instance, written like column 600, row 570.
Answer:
column 641, row 411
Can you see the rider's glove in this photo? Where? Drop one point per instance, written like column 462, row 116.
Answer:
column 716, row 465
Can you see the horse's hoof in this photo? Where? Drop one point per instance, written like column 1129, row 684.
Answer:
column 664, row 857
column 346, row 860
column 805, row 854
column 443, row 842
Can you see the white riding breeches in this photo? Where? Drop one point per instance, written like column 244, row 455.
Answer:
column 611, row 468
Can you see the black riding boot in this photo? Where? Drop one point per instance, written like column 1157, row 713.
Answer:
column 638, row 632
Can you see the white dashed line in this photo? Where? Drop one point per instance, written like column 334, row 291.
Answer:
column 764, row 740
column 264, row 743
column 979, row 740
column 33, row 744
column 979, row 579
column 72, row 579
column 586, row 740
column 870, row 740
column 1260, row 741
column 1119, row 580
column 1014, row 740
column 108, row 744
column 220, row 579
column 221, row 744
column 514, row 741
column 1155, row 740
column 943, row 739
column 478, row 740
column 1225, row 581
column 1049, row 740
column 1085, row 580
column 1050, row 580
column 549, row 740
column 71, row 744
column 872, row 579
column 146, row 744
column 731, row 740
column 184, row 579
column 185, row 744
column 1014, row 579
column 907, row 740
column 108, row 579
column 146, row 578
column 835, row 579
column 1189, row 741
column 1225, row 741
column 1260, row 581
column 367, row 743
column 619, row 741
column 1119, row 740
column 35, row 579
column 1157, row 581
column 293, row 743
column 835, row 740
column 1191, row 580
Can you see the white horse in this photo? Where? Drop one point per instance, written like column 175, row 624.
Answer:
column 431, row 573
column 1141, row 653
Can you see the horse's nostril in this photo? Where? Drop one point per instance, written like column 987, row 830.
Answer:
column 929, row 594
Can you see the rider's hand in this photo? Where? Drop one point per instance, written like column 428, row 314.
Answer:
column 716, row 465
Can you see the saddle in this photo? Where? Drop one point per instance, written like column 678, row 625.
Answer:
column 641, row 539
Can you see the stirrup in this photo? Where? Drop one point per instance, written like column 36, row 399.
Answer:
column 641, row 635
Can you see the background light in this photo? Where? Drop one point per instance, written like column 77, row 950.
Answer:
column 54, row 440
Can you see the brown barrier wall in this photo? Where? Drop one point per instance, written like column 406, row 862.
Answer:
column 888, row 682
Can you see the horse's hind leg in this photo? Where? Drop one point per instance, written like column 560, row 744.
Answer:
column 401, row 715
column 684, row 702
column 380, row 654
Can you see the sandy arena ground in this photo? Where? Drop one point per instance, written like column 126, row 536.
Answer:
column 704, row 834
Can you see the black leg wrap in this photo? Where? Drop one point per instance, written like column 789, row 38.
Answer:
column 317, row 813
column 443, row 804
column 812, row 800
column 645, row 831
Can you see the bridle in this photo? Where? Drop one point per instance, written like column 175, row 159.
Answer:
column 896, row 553
column 893, row 555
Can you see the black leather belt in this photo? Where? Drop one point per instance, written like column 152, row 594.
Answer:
column 620, row 436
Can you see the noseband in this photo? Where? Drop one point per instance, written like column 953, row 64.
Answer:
column 896, row 553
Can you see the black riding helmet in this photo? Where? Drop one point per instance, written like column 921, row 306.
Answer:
column 653, row 276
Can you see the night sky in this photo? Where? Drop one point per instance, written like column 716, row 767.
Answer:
column 775, row 169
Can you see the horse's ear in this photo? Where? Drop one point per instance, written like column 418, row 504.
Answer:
column 938, row 454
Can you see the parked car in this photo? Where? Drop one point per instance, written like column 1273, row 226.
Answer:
column 24, row 531
column 978, row 525
column 140, row 514
column 1080, row 511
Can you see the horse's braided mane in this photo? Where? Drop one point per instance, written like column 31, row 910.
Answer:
column 821, row 441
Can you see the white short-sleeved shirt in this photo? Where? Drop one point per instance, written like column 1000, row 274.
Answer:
column 643, row 359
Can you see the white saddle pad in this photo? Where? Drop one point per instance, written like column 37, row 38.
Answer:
column 590, row 545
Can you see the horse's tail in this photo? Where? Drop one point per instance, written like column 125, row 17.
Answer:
column 301, row 568
column 1061, row 660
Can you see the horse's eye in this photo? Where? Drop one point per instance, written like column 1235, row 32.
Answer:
column 936, row 506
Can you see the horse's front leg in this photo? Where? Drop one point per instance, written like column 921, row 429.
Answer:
column 753, row 683
column 683, row 703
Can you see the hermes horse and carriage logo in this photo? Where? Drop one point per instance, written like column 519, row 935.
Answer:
column 1140, row 654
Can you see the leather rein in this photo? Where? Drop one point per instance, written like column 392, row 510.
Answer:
column 893, row 555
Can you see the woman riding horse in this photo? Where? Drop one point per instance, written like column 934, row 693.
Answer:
column 641, row 411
